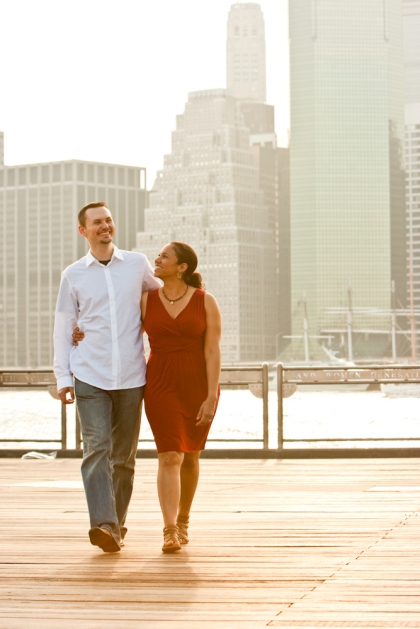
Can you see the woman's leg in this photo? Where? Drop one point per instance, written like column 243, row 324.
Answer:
column 190, row 471
column 169, row 485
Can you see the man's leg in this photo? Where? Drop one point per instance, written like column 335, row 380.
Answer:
column 125, row 436
column 96, row 411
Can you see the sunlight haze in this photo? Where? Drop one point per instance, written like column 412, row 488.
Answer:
column 104, row 81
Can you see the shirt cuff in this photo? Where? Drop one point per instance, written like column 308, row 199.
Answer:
column 64, row 381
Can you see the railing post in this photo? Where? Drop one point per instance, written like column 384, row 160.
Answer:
column 265, row 404
column 63, row 426
column 78, row 429
column 279, row 406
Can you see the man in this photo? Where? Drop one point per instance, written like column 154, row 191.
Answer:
column 101, row 294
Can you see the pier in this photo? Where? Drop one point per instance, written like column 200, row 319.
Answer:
column 274, row 543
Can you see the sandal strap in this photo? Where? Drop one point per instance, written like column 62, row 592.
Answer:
column 182, row 522
column 170, row 533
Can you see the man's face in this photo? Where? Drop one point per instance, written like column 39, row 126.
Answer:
column 99, row 227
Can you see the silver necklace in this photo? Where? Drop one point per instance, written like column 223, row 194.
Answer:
column 172, row 301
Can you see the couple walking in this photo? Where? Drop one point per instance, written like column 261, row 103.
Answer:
column 105, row 301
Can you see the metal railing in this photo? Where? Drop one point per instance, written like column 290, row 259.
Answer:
column 253, row 378
column 256, row 379
column 288, row 379
column 35, row 379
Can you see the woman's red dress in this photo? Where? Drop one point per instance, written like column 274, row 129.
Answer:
column 176, row 381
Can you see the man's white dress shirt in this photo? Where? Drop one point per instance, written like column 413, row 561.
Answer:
column 104, row 301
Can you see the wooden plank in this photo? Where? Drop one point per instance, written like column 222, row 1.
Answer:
column 273, row 543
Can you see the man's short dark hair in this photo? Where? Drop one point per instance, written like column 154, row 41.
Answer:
column 82, row 214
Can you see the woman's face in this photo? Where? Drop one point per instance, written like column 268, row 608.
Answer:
column 166, row 264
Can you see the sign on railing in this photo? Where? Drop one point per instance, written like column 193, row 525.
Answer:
column 350, row 375
column 26, row 378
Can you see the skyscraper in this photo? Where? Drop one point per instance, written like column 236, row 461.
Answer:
column 208, row 195
column 38, row 220
column 245, row 52
column 346, row 163
column 246, row 80
column 411, row 22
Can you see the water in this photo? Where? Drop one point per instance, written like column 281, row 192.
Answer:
column 307, row 415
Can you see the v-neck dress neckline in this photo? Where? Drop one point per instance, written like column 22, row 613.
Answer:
column 179, row 313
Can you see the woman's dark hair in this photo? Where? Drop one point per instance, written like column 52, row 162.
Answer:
column 186, row 255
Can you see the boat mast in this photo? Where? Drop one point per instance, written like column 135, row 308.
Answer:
column 412, row 316
column 393, row 323
column 305, row 329
column 350, row 323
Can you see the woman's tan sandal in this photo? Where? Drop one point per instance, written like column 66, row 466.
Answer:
column 170, row 539
column 182, row 522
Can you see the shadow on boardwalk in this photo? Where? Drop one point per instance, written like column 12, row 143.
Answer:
column 325, row 543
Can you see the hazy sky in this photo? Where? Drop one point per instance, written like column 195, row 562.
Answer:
column 103, row 80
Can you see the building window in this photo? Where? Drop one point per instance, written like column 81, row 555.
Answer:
column 57, row 173
column 80, row 172
column 68, row 172
column 34, row 174
column 101, row 174
column 22, row 176
column 91, row 172
column 45, row 174
column 10, row 177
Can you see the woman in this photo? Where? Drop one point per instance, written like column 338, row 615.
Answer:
column 183, row 324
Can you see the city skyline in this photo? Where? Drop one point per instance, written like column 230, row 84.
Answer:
column 351, row 150
column 97, row 88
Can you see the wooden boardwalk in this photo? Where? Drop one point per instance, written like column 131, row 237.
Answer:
column 292, row 543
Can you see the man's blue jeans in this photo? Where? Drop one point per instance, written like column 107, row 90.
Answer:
column 110, row 423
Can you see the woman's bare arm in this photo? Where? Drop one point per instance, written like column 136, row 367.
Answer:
column 212, row 357
column 143, row 306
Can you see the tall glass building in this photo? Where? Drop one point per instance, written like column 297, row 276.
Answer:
column 411, row 21
column 346, row 163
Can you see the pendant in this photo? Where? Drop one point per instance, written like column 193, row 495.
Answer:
column 172, row 303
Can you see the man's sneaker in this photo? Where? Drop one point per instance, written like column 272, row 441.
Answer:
column 103, row 538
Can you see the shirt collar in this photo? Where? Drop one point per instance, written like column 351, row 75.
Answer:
column 90, row 259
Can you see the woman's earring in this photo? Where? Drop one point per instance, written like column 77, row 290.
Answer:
column 179, row 275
